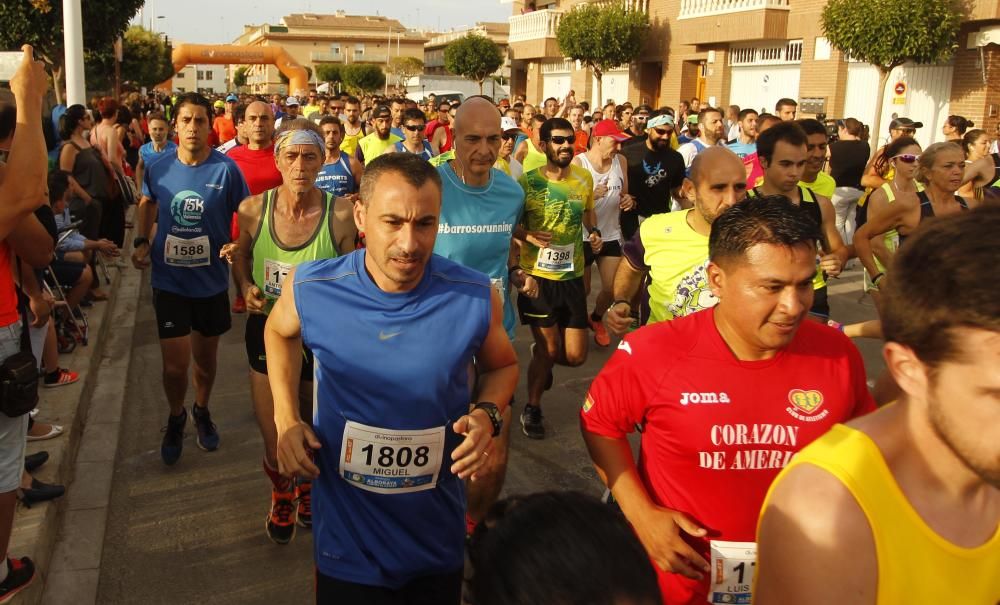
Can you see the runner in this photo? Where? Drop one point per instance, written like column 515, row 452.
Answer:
column 505, row 158
column 291, row 111
column 290, row 224
column 817, row 143
column 479, row 208
column 224, row 126
column 609, row 171
column 159, row 142
column 239, row 119
column 382, row 461
column 341, row 173
column 655, row 175
column 397, row 106
column 440, row 141
column 711, row 132
column 672, row 248
column 380, row 140
column 531, row 151
column 984, row 174
column 193, row 194
column 413, row 127
column 909, row 493
column 353, row 128
column 785, row 109
column 745, row 146
column 726, row 397
column 783, row 155
column 559, row 203
column 848, row 156
column 582, row 138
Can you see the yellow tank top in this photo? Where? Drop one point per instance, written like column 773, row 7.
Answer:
column 534, row 158
column 916, row 566
column 350, row 141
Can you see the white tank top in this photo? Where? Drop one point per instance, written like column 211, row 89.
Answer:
column 607, row 208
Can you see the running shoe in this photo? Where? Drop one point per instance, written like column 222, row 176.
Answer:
column 601, row 336
column 303, row 494
column 173, row 438
column 239, row 305
column 60, row 377
column 280, row 523
column 531, row 422
column 20, row 573
column 208, row 435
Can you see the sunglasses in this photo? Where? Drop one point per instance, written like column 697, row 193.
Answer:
column 413, row 127
column 561, row 140
column 640, row 118
column 509, row 136
column 907, row 158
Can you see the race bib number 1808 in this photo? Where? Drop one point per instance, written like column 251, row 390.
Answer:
column 390, row 461
column 733, row 565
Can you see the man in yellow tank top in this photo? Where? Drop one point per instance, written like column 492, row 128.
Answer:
column 280, row 228
column 903, row 505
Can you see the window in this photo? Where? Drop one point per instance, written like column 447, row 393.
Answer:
column 335, row 49
column 208, row 75
column 359, row 50
column 200, row 75
column 180, row 75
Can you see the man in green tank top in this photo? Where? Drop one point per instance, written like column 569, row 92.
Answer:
column 293, row 223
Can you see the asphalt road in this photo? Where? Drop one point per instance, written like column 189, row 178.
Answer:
column 194, row 532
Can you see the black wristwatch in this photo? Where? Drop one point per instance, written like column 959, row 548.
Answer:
column 493, row 412
column 140, row 241
column 594, row 230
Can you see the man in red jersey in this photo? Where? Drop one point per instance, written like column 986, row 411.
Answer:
column 726, row 396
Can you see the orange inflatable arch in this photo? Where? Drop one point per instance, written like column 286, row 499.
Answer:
column 226, row 54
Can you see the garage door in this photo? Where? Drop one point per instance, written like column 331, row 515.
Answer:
column 760, row 86
column 927, row 98
column 556, row 79
column 614, row 86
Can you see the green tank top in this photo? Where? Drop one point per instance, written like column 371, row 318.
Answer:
column 272, row 261
column 534, row 159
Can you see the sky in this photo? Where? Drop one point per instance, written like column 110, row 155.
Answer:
column 220, row 21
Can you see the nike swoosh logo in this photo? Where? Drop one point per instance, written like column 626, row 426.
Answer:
column 214, row 186
column 384, row 336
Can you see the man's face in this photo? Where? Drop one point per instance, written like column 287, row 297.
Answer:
column 722, row 182
column 559, row 147
column 609, row 112
column 292, row 111
column 607, row 146
column 413, row 130
column 444, row 113
column 695, row 105
column 353, row 113
column 276, row 99
column 895, row 133
column 963, row 401
column 382, row 126
column 816, row 150
column 627, row 116
column 576, row 117
column 639, row 121
column 231, row 107
column 324, row 106
column 507, row 140
column 785, row 169
column 551, row 107
column 397, row 112
column 947, row 171
column 193, row 126
column 787, row 113
column 158, row 130
column 400, row 223
column 332, row 136
column 299, row 166
column 748, row 125
column 477, row 140
column 659, row 137
column 337, row 107
column 258, row 124
column 312, row 98
column 712, row 126
column 764, row 296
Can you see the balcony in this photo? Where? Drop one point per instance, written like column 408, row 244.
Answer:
column 533, row 35
column 715, row 21
column 326, row 57
column 370, row 58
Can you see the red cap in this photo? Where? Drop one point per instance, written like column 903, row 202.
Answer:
column 608, row 128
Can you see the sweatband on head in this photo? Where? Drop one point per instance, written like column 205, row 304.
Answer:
column 298, row 137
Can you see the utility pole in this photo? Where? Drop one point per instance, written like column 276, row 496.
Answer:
column 76, row 87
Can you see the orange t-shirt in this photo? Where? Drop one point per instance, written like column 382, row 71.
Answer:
column 224, row 129
column 582, row 138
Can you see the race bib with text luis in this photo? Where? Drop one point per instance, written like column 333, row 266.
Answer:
column 733, row 565
column 390, row 461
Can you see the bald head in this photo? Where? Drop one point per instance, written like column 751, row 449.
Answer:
column 476, row 112
column 477, row 139
column 258, row 125
column 708, row 161
column 717, row 181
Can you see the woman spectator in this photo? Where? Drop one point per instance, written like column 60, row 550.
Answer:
column 954, row 128
column 848, row 157
column 976, row 144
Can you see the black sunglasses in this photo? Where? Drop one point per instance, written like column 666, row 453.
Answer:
column 413, row 127
column 508, row 136
column 560, row 140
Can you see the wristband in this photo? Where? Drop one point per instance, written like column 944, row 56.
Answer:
column 140, row 241
column 594, row 230
column 876, row 278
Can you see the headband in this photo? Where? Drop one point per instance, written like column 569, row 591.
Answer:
column 664, row 119
column 298, row 137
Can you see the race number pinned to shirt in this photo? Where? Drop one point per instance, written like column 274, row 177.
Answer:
column 733, row 565
column 389, row 461
column 275, row 273
column 556, row 259
column 180, row 252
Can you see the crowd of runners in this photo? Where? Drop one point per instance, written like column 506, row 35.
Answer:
column 385, row 249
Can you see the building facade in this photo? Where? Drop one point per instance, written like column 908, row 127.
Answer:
column 338, row 39
column 206, row 79
column 752, row 52
column 434, row 48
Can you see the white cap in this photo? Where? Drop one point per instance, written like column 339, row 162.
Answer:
column 291, row 101
column 508, row 123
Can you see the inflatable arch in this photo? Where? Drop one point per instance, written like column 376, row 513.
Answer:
column 224, row 54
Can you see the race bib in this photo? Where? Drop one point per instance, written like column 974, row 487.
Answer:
column 389, row 461
column 556, row 259
column 733, row 564
column 497, row 284
column 180, row 252
column 275, row 273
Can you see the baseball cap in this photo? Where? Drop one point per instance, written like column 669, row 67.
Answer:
column 608, row 128
column 692, row 119
column 904, row 123
column 504, row 103
column 219, row 105
column 382, row 111
column 292, row 101
column 508, row 124
column 231, row 98
column 643, row 109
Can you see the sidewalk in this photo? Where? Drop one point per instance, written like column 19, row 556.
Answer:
column 83, row 457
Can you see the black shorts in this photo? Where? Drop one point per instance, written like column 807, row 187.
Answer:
column 562, row 303
column 821, row 304
column 255, row 348
column 611, row 248
column 177, row 315
column 66, row 272
column 444, row 589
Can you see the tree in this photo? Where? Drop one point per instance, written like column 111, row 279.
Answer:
column 404, row 68
column 240, row 76
column 602, row 36
column 362, row 77
column 328, row 72
column 40, row 24
column 145, row 58
column 474, row 57
column 888, row 35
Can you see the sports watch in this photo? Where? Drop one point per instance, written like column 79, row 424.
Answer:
column 493, row 412
column 140, row 241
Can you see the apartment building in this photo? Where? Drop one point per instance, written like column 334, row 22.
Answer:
column 434, row 48
column 753, row 52
column 206, row 79
column 339, row 38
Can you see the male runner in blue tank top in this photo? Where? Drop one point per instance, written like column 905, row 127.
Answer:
column 392, row 328
column 195, row 190
column 480, row 207
column 341, row 173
